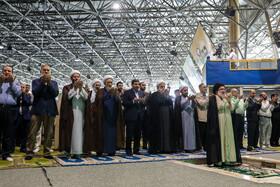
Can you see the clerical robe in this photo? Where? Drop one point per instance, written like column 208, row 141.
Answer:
column 220, row 139
column 74, row 117
column 162, row 137
column 187, row 130
column 108, row 123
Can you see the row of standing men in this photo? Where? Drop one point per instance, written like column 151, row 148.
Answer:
column 96, row 121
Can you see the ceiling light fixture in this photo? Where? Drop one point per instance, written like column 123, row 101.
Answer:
column 1, row 46
column 84, row 44
column 77, row 59
column 91, row 62
column 9, row 46
column 137, row 33
column 116, row 6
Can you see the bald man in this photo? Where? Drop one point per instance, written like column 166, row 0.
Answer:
column 253, row 119
column 265, row 120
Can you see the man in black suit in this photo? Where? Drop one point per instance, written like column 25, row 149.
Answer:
column 134, row 104
column 253, row 119
column 22, row 117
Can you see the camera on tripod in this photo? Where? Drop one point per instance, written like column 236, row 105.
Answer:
column 218, row 51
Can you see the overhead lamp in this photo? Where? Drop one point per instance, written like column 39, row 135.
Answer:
column 1, row 46
column 9, row 46
column 43, row 5
column 116, row 6
column 149, row 72
column 137, row 33
column 77, row 59
column 28, row 68
column 88, row 76
column 181, row 77
column 173, row 52
column 84, row 44
column 230, row 11
column 98, row 32
column 91, row 62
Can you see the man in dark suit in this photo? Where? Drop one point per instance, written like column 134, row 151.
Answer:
column 253, row 119
column 22, row 117
column 44, row 110
column 134, row 107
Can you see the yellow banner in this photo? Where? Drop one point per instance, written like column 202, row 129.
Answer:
column 201, row 47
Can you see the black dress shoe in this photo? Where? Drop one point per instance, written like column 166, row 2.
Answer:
column 28, row 157
column 48, row 157
column 111, row 154
column 136, row 153
column 129, row 153
column 98, row 154
column 250, row 148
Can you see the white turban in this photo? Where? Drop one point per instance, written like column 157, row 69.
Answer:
column 160, row 82
column 182, row 87
column 74, row 72
column 95, row 81
column 107, row 77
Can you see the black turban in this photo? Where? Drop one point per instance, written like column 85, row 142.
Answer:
column 217, row 86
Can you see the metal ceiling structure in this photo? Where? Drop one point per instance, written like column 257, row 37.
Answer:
column 136, row 36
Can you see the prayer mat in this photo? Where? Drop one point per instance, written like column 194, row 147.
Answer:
column 254, row 171
column 121, row 157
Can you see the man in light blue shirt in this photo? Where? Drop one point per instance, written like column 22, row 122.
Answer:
column 9, row 91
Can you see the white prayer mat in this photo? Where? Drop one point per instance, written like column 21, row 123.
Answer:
column 121, row 157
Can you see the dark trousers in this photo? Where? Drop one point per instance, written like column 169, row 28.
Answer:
column 20, row 132
column 202, row 131
column 133, row 130
column 238, row 129
column 7, row 120
column 253, row 133
column 275, row 133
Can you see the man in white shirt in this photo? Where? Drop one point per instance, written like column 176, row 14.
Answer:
column 265, row 120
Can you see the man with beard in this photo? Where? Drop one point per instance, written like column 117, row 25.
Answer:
column 73, row 117
column 96, row 83
column 275, row 119
column 22, row 118
column 9, row 91
column 146, row 119
column 120, row 90
column 44, row 110
column 134, row 106
column 187, row 132
column 109, row 129
column 253, row 119
column 265, row 120
column 220, row 144
column 161, row 120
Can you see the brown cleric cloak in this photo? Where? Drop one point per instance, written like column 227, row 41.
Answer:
column 98, row 133
column 67, row 120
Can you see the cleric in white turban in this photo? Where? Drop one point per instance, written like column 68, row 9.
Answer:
column 159, row 83
column 96, row 83
column 107, row 77
column 182, row 87
column 74, row 72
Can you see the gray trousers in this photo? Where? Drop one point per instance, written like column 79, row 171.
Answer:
column 265, row 131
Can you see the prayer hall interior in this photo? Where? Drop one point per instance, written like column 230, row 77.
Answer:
column 139, row 93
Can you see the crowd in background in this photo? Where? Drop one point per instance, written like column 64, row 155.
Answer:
column 100, row 121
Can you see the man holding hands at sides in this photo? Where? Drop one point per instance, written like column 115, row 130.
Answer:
column 9, row 91
column 134, row 107
column 72, row 116
column 22, row 120
column 253, row 119
column 44, row 110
